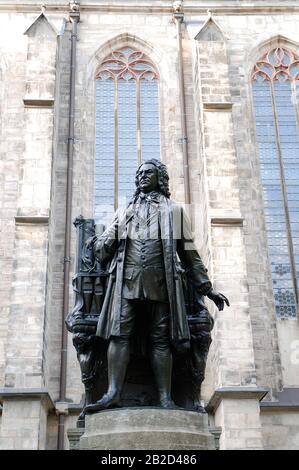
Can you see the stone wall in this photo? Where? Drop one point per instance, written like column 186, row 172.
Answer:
column 13, row 63
column 241, row 425
column 27, row 138
column 23, row 425
column 227, row 207
column 280, row 430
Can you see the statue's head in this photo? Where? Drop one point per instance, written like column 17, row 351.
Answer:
column 152, row 176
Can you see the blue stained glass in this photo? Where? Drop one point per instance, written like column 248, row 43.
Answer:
column 127, row 140
column 104, row 158
column 287, row 122
column 150, row 122
column 278, row 249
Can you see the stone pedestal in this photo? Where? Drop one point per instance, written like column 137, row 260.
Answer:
column 147, row 429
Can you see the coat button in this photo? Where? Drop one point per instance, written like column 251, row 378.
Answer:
column 119, row 259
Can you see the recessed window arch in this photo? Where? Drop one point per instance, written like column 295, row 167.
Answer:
column 275, row 83
column 127, row 125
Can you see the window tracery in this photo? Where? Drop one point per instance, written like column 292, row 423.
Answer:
column 127, row 124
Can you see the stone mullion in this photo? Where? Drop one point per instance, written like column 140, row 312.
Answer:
column 116, row 153
column 139, row 155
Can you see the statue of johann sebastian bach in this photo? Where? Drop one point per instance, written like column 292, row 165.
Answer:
column 148, row 247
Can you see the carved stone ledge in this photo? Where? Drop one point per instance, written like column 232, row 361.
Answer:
column 62, row 408
column 38, row 102
column 31, row 219
column 227, row 221
column 235, row 393
column 216, row 431
column 217, row 106
column 75, row 408
column 288, row 400
column 27, row 394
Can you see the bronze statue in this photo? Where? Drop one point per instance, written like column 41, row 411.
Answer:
column 154, row 288
column 89, row 287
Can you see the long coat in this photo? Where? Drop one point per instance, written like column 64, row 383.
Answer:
column 176, row 241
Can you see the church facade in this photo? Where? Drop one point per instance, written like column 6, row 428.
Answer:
column 90, row 89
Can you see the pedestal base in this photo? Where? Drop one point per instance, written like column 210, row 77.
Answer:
column 146, row 429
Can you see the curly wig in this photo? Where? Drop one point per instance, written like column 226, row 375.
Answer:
column 163, row 178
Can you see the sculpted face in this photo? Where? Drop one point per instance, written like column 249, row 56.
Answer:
column 148, row 178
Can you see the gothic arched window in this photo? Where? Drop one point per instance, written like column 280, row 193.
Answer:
column 275, row 89
column 127, row 125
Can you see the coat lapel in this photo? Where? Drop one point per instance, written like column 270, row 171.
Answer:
column 109, row 322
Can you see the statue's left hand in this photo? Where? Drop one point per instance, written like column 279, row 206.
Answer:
column 218, row 299
column 90, row 241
